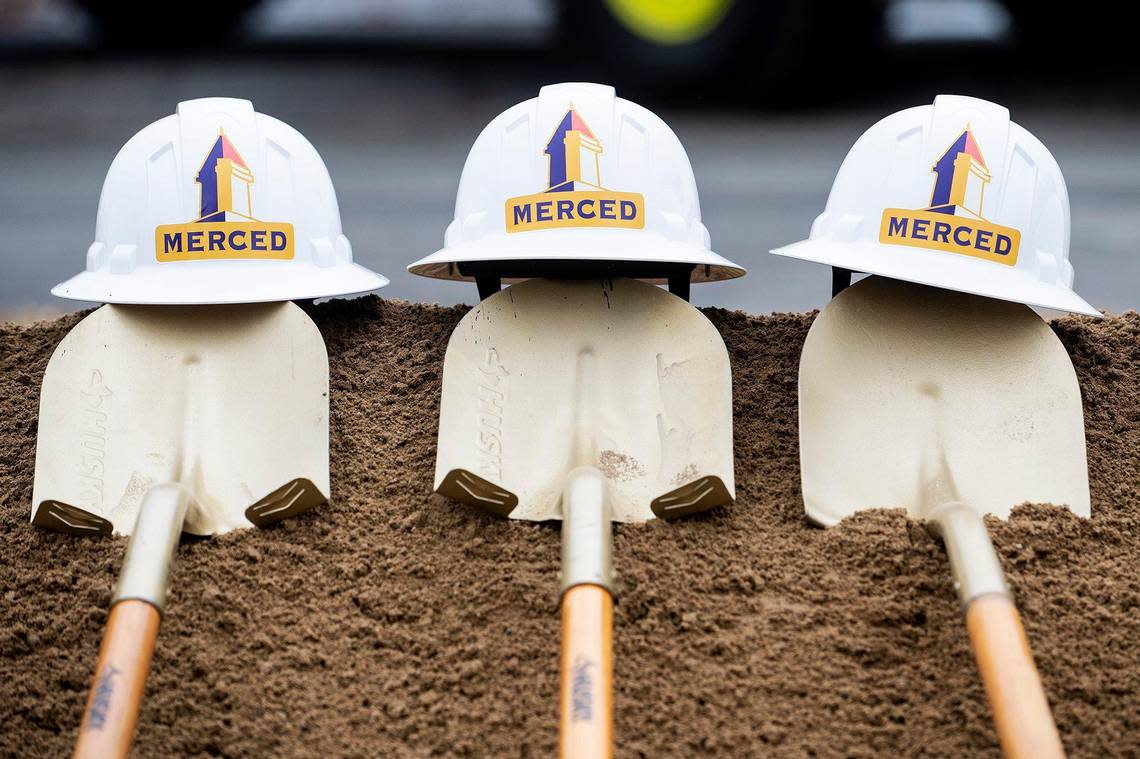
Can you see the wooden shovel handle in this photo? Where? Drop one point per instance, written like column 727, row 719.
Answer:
column 112, row 709
column 1022, row 716
column 587, row 716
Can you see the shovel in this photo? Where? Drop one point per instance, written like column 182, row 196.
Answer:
column 951, row 406
column 587, row 401
column 160, row 420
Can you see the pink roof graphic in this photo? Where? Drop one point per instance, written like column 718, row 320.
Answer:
column 227, row 150
column 971, row 147
column 578, row 124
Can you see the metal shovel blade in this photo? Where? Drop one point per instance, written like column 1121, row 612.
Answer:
column 231, row 402
column 642, row 372
column 895, row 375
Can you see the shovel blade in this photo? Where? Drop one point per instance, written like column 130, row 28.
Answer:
column 231, row 402
column 895, row 376
column 549, row 375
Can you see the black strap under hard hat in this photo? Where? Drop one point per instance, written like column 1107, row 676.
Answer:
column 840, row 279
column 489, row 275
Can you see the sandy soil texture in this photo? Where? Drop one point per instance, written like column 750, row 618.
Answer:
column 394, row 623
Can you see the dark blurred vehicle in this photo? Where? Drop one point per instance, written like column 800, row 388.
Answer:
column 121, row 24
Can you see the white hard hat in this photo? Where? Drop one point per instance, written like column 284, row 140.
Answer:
column 577, row 175
column 953, row 195
column 217, row 204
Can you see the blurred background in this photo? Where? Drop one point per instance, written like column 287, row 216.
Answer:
column 766, row 95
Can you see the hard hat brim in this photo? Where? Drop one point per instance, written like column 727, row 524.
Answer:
column 240, row 282
column 606, row 245
column 946, row 270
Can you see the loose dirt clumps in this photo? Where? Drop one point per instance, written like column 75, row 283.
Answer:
column 394, row 623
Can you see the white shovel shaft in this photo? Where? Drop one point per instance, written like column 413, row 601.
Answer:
column 145, row 575
column 977, row 571
column 587, row 542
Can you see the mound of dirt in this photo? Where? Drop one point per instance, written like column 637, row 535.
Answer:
column 395, row 623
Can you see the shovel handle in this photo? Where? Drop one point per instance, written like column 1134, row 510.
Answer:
column 1022, row 716
column 112, row 709
column 586, row 699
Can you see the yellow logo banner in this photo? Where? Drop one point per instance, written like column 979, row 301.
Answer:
column 208, row 241
column 551, row 210
column 951, row 234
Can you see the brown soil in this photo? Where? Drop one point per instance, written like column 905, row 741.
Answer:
column 394, row 623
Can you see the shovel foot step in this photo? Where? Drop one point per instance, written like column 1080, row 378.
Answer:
column 465, row 487
column 697, row 496
column 59, row 517
column 289, row 500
